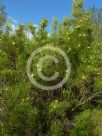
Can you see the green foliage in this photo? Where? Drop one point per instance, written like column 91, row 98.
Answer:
column 97, row 122
column 29, row 111
column 58, row 108
column 56, row 129
column 83, row 124
column 88, row 123
column 2, row 16
column 97, row 16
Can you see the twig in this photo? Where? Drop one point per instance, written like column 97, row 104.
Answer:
column 86, row 100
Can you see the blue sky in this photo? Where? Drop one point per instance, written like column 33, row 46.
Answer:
column 34, row 10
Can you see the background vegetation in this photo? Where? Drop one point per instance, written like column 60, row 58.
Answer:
column 74, row 109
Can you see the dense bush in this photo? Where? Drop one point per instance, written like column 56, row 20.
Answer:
column 88, row 123
column 72, row 110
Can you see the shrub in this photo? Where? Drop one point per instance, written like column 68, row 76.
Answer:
column 27, row 110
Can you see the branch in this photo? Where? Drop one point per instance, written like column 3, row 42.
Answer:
column 90, row 98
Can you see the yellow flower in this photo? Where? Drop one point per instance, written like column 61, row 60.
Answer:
column 23, row 100
column 86, row 19
column 84, row 35
column 79, row 45
column 77, row 27
column 56, row 101
column 39, row 69
column 80, row 34
column 69, row 49
column 32, row 75
column 27, row 98
column 13, row 43
column 67, row 70
column 68, row 38
column 83, row 77
column 6, row 89
column 99, row 73
column 38, row 65
column 54, row 106
column 91, row 57
column 2, row 124
column 81, row 21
